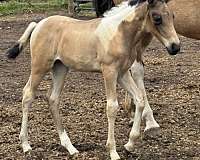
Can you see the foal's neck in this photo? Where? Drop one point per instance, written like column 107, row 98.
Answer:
column 133, row 26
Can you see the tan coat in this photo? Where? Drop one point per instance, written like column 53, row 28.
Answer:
column 109, row 45
column 187, row 17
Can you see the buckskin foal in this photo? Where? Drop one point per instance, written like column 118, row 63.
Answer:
column 108, row 45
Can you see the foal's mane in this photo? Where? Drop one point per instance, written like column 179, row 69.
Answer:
column 117, row 9
column 122, row 7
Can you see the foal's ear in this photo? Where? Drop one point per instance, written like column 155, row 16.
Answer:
column 152, row 2
column 134, row 2
column 167, row 1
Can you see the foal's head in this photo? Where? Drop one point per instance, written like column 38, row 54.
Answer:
column 160, row 22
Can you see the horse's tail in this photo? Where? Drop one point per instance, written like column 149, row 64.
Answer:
column 13, row 52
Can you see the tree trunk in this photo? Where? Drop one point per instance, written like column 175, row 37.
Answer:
column 70, row 8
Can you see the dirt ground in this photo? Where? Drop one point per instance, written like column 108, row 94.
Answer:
column 173, row 88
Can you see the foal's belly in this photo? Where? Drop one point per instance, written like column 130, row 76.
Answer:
column 81, row 62
column 77, row 49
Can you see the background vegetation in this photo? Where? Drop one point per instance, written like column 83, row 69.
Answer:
column 28, row 6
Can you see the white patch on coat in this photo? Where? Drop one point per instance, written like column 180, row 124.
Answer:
column 109, row 24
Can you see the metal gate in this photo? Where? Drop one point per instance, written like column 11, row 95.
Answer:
column 99, row 6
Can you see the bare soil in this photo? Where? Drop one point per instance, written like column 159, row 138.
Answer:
column 173, row 88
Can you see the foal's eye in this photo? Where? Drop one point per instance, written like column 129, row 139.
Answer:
column 157, row 19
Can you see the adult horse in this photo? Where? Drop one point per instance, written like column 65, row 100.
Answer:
column 186, row 24
column 187, row 21
column 106, row 45
column 102, row 6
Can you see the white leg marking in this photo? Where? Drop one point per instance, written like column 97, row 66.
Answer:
column 65, row 141
column 26, row 147
column 113, row 103
column 135, row 131
column 137, row 71
column 26, row 104
column 148, row 117
column 112, row 108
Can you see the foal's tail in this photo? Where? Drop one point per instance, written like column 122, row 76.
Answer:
column 13, row 52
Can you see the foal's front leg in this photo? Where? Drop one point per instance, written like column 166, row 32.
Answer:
column 110, row 78
column 137, row 72
column 128, row 83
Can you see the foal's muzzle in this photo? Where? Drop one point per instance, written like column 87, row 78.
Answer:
column 173, row 49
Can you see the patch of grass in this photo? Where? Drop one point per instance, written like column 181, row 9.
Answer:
column 14, row 7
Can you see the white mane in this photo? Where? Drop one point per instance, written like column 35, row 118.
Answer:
column 109, row 24
column 116, row 10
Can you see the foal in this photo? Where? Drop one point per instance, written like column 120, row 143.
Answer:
column 108, row 45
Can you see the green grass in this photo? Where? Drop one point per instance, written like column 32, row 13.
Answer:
column 14, row 7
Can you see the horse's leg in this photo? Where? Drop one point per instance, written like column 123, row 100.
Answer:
column 129, row 107
column 110, row 78
column 28, row 97
column 137, row 72
column 128, row 83
column 58, row 73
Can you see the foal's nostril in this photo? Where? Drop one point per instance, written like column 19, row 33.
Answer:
column 175, row 47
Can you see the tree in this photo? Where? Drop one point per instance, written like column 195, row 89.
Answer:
column 71, row 7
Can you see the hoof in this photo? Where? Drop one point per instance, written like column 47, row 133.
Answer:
column 26, row 148
column 33, row 155
column 74, row 156
column 28, row 153
column 152, row 132
column 114, row 155
column 129, row 147
column 74, row 152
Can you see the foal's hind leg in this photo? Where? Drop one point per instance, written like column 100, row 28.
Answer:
column 28, row 97
column 58, row 73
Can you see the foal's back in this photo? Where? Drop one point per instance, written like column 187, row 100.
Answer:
column 70, row 40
